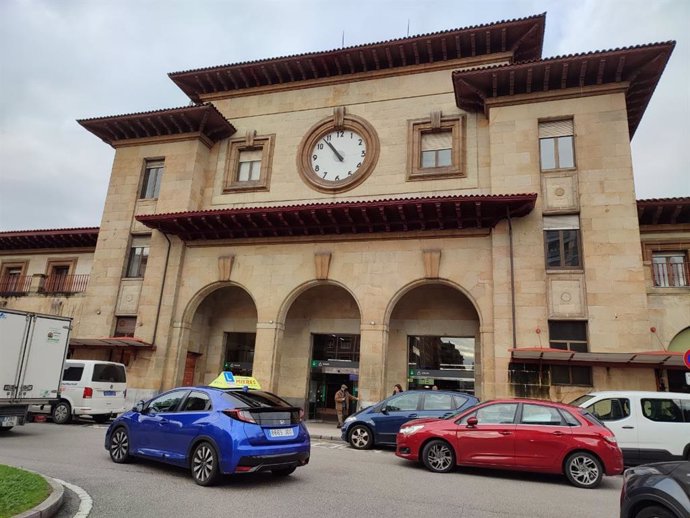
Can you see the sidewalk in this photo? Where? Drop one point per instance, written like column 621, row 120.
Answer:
column 323, row 430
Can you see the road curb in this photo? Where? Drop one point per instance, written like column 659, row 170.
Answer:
column 50, row 506
column 325, row 437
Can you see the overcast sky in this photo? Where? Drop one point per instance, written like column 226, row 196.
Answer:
column 63, row 60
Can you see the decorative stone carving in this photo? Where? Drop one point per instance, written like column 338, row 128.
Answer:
column 560, row 192
column 322, row 262
column 339, row 117
column 225, row 267
column 567, row 296
column 128, row 299
column 432, row 263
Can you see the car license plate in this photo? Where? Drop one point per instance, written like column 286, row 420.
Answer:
column 9, row 421
column 109, row 393
column 281, row 432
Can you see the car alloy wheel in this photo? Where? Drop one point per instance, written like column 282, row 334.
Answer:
column 204, row 464
column 62, row 413
column 583, row 470
column 119, row 446
column 438, row 456
column 361, row 438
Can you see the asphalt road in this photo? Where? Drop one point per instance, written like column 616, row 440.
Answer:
column 337, row 482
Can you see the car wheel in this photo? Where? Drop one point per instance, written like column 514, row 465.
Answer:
column 655, row 512
column 583, row 470
column 438, row 456
column 283, row 472
column 204, row 464
column 119, row 446
column 62, row 413
column 361, row 437
column 100, row 419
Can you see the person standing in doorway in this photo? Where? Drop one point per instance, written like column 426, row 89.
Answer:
column 342, row 402
column 397, row 389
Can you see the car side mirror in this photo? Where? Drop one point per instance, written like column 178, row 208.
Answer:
column 139, row 407
column 472, row 422
column 384, row 410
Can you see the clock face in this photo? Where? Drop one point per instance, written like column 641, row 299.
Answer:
column 338, row 155
column 336, row 159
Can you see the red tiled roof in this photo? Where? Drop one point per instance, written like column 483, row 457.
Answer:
column 344, row 217
column 641, row 66
column 524, row 37
column 663, row 211
column 203, row 120
column 55, row 238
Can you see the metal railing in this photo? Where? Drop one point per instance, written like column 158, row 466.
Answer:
column 13, row 285
column 671, row 275
column 64, row 284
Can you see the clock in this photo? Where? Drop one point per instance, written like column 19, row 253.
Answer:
column 337, row 155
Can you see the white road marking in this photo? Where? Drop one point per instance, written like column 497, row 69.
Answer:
column 85, row 501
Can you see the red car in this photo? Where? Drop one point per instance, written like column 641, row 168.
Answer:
column 516, row 434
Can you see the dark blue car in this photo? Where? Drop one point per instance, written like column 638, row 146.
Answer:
column 379, row 424
column 213, row 431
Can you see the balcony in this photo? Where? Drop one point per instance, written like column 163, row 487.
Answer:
column 21, row 285
column 671, row 274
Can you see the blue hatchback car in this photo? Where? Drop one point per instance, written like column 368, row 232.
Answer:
column 379, row 423
column 213, row 431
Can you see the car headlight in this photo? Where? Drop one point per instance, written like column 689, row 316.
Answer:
column 350, row 419
column 409, row 430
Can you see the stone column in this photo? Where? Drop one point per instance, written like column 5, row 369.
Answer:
column 372, row 362
column 267, row 354
column 485, row 371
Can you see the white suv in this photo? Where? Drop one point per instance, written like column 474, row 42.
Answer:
column 91, row 387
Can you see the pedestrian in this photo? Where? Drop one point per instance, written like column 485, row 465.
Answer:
column 397, row 389
column 342, row 402
column 434, row 387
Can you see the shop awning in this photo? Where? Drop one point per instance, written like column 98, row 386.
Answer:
column 665, row 359
column 111, row 342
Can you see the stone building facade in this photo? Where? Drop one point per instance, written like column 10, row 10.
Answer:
column 448, row 209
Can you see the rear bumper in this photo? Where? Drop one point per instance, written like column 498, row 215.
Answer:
column 254, row 463
column 99, row 411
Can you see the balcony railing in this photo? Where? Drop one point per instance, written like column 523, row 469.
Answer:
column 671, row 275
column 55, row 284
column 14, row 285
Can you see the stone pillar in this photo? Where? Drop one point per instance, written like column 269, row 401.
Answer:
column 485, row 368
column 372, row 362
column 267, row 354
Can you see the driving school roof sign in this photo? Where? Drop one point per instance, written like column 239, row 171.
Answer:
column 227, row 380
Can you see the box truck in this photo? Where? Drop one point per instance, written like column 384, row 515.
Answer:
column 33, row 348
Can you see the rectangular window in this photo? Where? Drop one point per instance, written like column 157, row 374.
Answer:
column 569, row 335
column 562, row 241
column 249, row 164
column 556, row 145
column 138, row 257
column 239, row 353
column 59, row 277
column 125, row 326
column 336, row 347
column 150, row 187
column 249, row 167
column 662, row 410
column 12, row 279
column 435, row 147
column 671, row 270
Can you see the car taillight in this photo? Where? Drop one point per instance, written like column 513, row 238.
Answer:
column 240, row 415
column 88, row 392
column 611, row 439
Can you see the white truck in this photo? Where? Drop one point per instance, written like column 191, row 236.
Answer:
column 33, row 348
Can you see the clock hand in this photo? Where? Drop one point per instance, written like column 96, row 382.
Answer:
column 340, row 157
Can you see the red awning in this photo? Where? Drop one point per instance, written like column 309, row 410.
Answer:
column 51, row 238
column 667, row 359
column 111, row 342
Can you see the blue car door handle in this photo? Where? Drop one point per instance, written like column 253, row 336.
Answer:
column 412, row 415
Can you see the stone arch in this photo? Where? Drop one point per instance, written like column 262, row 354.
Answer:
column 302, row 288
column 680, row 342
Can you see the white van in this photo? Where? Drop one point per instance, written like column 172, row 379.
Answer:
column 90, row 387
column 649, row 426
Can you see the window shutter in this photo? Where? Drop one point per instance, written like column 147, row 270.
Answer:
column 552, row 129
column 250, row 156
column 435, row 141
column 570, row 222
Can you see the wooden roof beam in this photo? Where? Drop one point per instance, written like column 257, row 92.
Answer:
column 285, row 223
column 403, row 57
column 222, row 81
column 420, row 215
column 458, row 46
column 348, row 216
column 365, row 216
column 620, row 68
column 458, row 213
column 376, row 59
column 243, row 77
column 269, row 225
column 238, row 225
column 478, row 213
column 528, row 81
column 601, row 70
column 319, row 225
column 430, row 51
column 657, row 215
column 350, row 63
column 444, row 49
column 564, row 75
column 488, row 42
column 301, row 70
column 504, row 37
column 384, row 219
column 232, row 80
column 473, row 44
column 676, row 213
column 547, row 76
column 363, row 61
column 415, row 50
column 265, row 73
column 439, row 215
column 305, row 230
column 583, row 73
column 403, row 218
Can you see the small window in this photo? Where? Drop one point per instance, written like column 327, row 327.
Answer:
column 562, row 242
column 108, row 373
column 125, row 326
column 500, row 413
column 138, row 257
column 403, row 403
column 249, row 164
column 436, row 148
column 556, row 145
column 72, row 373
column 685, row 406
column 569, row 418
column 438, row 402
column 196, row 402
column 671, row 270
column 151, row 184
column 611, row 409
column 569, row 335
column 662, row 410
column 166, row 403
column 540, row 415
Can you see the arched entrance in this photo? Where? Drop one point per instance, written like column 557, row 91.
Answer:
column 319, row 350
column 222, row 335
column 434, row 340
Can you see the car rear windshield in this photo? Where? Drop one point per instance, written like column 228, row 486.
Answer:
column 254, row 399
column 109, row 373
